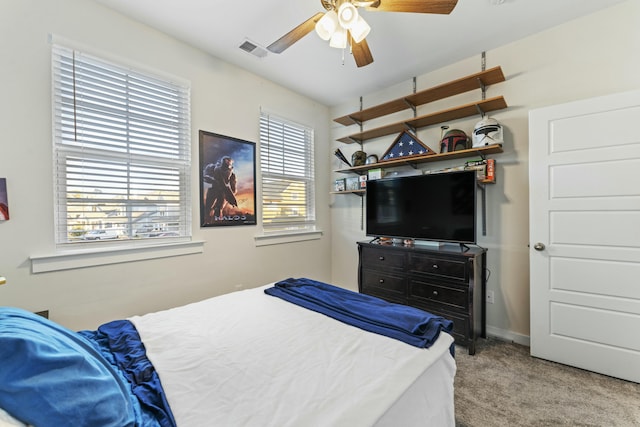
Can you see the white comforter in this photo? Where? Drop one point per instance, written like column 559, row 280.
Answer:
column 249, row 359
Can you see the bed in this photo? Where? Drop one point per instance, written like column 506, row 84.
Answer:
column 293, row 353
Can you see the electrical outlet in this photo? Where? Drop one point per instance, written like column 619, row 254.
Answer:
column 490, row 299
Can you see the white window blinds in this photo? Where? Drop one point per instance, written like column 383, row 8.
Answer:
column 286, row 157
column 121, row 151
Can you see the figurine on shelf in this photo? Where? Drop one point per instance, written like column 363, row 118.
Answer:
column 487, row 132
column 454, row 140
column 358, row 158
column 341, row 156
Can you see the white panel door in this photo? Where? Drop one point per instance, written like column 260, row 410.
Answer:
column 584, row 199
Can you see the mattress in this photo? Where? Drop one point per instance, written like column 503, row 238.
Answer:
column 241, row 359
column 249, row 359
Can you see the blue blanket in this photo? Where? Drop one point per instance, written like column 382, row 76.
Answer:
column 120, row 344
column 411, row 325
column 52, row 376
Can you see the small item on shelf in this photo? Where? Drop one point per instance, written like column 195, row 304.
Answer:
column 491, row 171
column 454, row 140
column 341, row 156
column 363, row 182
column 485, row 169
column 487, row 132
column 339, row 184
column 352, row 183
column 372, row 159
column 445, row 170
column 480, row 166
column 358, row 158
column 376, row 173
column 406, row 145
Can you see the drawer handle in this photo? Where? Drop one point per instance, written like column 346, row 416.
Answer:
column 435, row 293
column 435, row 266
column 381, row 280
column 381, row 258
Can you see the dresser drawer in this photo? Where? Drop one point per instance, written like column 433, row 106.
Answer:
column 375, row 258
column 447, row 281
column 461, row 324
column 447, row 297
column 385, row 285
column 450, row 268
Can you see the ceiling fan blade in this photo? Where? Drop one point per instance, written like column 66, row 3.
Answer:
column 294, row 35
column 443, row 7
column 361, row 52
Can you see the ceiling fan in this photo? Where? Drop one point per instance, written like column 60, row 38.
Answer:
column 343, row 26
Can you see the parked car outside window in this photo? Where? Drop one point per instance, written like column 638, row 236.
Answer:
column 100, row 235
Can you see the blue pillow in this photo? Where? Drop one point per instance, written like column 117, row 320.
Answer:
column 51, row 376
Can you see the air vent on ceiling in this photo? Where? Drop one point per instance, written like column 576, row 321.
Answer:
column 252, row 48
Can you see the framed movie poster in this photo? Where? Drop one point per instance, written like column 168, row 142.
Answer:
column 4, row 200
column 227, row 181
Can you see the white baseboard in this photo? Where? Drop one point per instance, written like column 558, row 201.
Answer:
column 506, row 335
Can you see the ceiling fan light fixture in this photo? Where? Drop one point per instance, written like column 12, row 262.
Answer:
column 339, row 39
column 360, row 30
column 347, row 15
column 327, row 25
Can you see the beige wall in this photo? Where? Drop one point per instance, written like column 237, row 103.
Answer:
column 225, row 100
column 591, row 56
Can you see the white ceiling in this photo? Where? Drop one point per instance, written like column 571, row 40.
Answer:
column 403, row 45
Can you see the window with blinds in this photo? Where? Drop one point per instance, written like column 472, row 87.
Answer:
column 121, row 151
column 286, row 161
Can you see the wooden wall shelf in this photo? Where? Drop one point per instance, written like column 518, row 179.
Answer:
column 415, row 160
column 459, row 112
column 475, row 81
column 356, row 192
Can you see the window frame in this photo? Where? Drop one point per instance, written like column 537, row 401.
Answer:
column 299, row 140
column 176, row 160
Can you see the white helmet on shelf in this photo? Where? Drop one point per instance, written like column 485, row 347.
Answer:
column 487, row 132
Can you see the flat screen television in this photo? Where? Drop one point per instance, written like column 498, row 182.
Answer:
column 435, row 207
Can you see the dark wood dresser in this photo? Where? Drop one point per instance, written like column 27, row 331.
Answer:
column 448, row 281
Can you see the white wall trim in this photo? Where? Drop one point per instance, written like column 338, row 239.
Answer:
column 506, row 335
column 104, row 256
column 278, row 238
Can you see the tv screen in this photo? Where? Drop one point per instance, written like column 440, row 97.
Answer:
column 439, row 207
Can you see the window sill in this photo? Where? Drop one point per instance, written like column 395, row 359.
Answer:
column 104, row 256
column 284, row 237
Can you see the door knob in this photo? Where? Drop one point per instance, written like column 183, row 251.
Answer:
column 539, row 246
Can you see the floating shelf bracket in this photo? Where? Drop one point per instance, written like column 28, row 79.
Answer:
column 361, row 212
column 411, row 128
column 483, row 207
column 483, row 87
column 483, row 198
column 483, row 67
column 356, row 121
column 414, row 165
column 411, row 105
column 480, row 111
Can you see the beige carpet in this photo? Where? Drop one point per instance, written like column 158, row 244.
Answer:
column 502, row 385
